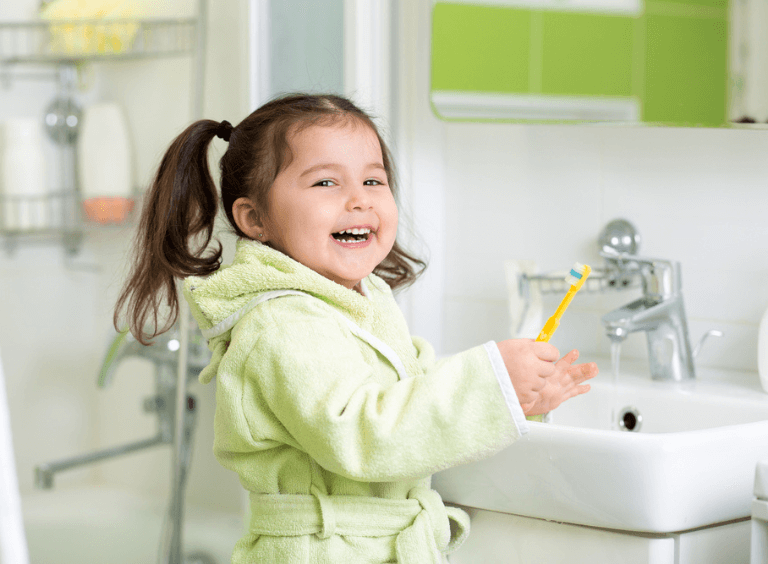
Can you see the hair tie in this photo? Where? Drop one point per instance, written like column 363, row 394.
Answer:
column 224, row 130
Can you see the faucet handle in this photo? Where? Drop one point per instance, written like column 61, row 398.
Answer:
column 108, row 365
column 710, row 333
column 612, row 254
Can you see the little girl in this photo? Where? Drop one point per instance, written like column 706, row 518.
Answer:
column 332, row 415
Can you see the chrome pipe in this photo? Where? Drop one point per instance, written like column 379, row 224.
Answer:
column 44, row 472
column 172, row 552
column 171, row 544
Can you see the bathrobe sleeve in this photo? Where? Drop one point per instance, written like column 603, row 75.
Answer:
column 427, row 361
column 355, row 418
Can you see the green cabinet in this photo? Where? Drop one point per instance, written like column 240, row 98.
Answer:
column 670, row 58
column 586, row 54
column 481, row 48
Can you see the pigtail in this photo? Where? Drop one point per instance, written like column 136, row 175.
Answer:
column 400, row 269
column 174, row 231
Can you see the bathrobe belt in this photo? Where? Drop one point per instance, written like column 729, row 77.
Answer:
column 421, row 522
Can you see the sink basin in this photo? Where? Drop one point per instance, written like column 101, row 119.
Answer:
column 690, row 464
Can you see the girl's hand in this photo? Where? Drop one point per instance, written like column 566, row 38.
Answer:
column 529, row 364
column 563, row 384
column 541, row 383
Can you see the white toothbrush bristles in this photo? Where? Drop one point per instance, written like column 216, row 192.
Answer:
column 576, row 274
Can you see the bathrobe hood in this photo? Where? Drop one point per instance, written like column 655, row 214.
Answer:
column 220, row 300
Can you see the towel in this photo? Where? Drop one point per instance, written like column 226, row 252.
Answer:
column 306, row 406
column 94, row 37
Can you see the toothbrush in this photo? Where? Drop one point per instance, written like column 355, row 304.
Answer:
column 576, row 278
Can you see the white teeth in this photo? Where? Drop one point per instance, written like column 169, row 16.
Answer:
column 355, row 231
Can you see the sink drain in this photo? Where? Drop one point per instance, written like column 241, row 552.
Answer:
column 630, row 420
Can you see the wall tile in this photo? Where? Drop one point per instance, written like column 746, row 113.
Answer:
column 474, row 321
column 523, row 194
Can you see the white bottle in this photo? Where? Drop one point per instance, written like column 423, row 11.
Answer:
column 104, row 163
column 762, row 351
column 26, row 204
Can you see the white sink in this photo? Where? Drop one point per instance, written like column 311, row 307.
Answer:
column 691, row 464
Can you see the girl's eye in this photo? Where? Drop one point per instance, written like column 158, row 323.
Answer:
column 324, row 183
column 373, row 182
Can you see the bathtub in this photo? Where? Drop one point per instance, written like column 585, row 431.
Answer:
column 95, row 525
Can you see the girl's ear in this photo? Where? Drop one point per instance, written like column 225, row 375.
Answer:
column 246, row 216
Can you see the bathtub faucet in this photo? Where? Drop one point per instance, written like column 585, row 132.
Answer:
column 163, row 354
column 659, row 312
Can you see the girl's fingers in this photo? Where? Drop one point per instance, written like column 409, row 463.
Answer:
column 567, row 381
column 583, row 389
column 526, row 407
column 568, row 359
column 538, row 384
column 582, row 372
column 545, row 351
column 546, row 369
column 575, row 391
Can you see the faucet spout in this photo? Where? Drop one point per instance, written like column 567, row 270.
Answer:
column 44, row 472
column 162, row 352
column 643, row 314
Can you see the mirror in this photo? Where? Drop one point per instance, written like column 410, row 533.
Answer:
column 692, row 63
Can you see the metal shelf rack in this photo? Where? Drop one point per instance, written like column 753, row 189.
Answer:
column 77, row 41
column 67, row 45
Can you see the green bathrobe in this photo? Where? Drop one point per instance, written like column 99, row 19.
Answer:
column 335, row 418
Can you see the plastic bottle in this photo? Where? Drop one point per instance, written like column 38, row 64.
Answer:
column 105, row 164
column 23, row 183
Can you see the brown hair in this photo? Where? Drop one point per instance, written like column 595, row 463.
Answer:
column 176, row 225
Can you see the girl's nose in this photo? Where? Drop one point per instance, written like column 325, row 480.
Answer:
column 358, row 198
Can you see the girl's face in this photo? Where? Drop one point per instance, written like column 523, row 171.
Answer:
column 331, row 208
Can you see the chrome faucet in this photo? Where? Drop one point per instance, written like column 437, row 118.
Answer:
column 659, row 312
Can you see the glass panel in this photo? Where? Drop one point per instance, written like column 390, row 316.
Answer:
column 307, row 46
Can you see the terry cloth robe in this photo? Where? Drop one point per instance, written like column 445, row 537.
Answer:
column 335, row 418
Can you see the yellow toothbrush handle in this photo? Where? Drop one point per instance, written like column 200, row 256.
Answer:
column 554, row 321
column 549, row 328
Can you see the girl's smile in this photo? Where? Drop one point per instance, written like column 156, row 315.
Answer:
column 354, row 237
column 331, row 208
